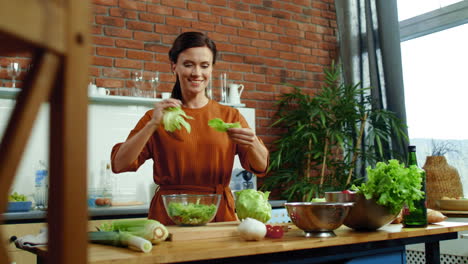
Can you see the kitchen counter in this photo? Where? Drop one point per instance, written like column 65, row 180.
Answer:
column 113, row 212
column 35, row 216
column 386, row 243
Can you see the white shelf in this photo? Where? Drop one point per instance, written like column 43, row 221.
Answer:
column 11, row 93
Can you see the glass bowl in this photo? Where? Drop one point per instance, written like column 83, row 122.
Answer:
column 191, row 209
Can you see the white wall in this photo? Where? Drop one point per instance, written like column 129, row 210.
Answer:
column 108, row 124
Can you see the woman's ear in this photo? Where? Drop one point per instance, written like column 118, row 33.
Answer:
column 173, row 66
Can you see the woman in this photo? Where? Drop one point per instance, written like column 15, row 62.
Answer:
column 199, row 162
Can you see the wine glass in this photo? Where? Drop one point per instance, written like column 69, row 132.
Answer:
column 223, row 85
column 137, row 78
column 14, row 70
column 154, row 82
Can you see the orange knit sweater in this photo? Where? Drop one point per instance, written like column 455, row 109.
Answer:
column 196, row 163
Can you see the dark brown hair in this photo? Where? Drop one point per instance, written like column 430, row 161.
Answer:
column 185, row 41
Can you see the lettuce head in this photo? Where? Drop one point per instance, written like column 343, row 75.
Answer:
column 174, row 118
column 219, row 125
column 253, row 204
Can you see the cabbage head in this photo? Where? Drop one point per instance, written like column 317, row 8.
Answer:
column 173, row 119
column 253, row 204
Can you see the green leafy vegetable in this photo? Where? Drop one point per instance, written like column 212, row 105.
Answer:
column 219, row 125
column 191, row 213
column 392, row 185
column 253, row 204
column 173, row 119
column 16, row 197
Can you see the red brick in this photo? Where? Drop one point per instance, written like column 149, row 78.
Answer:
column 226, row 30
column 261, row 10
column 289, row 40
column 198, row 7
column 185, row 13
column 96, row 30
column 174, row 3
column 131, row 44
column 215, row 2
column 236, row 5
column 115, row 73
column 203, row 26
column 240, row 67
column 155, row 47
column 253, row 25
column 99, row 10
column 109, row 83
column 124, row 63
column 268, row 53
column 225, row 47
column 267, row 19
column 258, row 78
column 287, row 24
column 292, row 8
column 218, row 37
column 132, row 5
column 111, row 52
column 268, row 36
column 209, row 18
column 151, row 18
column 125, row 13
column 139, row 55
column 105, row 2
column 261, row 43
column 233, row 58
column 139, row 26
column 161, row 10
column 101, row 61
column 94, row 71
column 118, row 32
column 104, row 41
column 231, row 21
column 274, row 29
column 221, row 11
column 164, row 29
column 145, row 36
column 245, row 16
column 301, row 18
column 281, row 14
column 248, row 33
column 254, row 60
column 247, row 50
column 178, row 22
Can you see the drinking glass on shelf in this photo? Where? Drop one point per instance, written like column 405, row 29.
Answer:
column 154, row 82
column 209, row 88
column 14, row 70
column 223, row 85
column 137, row 78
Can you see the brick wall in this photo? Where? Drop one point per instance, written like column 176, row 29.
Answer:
column 261, row 43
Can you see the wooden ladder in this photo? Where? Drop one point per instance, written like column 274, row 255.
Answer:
column 57, row 34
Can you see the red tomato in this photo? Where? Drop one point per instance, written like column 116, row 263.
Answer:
column 274, row 231
column 347, row 192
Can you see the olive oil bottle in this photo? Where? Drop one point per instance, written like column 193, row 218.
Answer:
column 417, row 217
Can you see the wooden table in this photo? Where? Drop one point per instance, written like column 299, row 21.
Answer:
column 228, row 247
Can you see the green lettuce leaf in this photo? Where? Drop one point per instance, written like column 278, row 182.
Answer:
column 392, row 185
column 253, row 204
column 173, row 119
column 219, row 125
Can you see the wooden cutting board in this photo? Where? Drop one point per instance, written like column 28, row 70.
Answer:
column 210, row 230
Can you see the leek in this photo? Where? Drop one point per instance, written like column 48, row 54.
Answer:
column 120, row 239
column 148, row 229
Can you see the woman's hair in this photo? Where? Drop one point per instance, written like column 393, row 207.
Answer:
column 185, row 41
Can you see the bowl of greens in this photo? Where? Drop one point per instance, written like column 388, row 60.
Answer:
column 191, row 209
column 379, row 200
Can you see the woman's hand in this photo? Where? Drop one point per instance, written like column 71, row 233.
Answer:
column 159, row 107
column 257, row 153
column 242, row 136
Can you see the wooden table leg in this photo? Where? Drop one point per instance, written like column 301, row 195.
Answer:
column 432, row 252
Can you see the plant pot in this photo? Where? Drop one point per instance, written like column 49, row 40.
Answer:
column 441, row 180
column 367, row 215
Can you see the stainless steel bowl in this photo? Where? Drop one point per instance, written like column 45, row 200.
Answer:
column 368, row 215
column 318, row 219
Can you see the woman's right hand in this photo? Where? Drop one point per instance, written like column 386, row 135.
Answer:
column 159, row 107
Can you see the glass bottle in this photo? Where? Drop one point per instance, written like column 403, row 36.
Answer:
column 41, row 186
column 417, row 217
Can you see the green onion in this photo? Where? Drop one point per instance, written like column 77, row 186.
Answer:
column 120, row 239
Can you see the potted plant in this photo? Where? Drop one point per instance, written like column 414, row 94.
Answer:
column 325, row 136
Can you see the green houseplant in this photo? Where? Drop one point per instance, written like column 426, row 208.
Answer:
column 325, row 137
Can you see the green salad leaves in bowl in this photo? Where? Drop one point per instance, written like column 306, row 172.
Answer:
column 191, row 209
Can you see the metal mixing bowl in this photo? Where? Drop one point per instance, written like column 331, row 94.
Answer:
column 365, row 214
column 318, row 219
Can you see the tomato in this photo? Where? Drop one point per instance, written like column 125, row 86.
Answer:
column 346, row 192
column 274, row 231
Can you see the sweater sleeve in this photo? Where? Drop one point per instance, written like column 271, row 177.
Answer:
column 242, row 152
column 144, row 154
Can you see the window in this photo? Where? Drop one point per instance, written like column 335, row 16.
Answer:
column 434, row 58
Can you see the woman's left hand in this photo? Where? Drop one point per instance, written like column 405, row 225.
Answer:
column 242, row 136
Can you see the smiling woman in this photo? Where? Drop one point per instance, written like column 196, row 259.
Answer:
column 199, row 162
